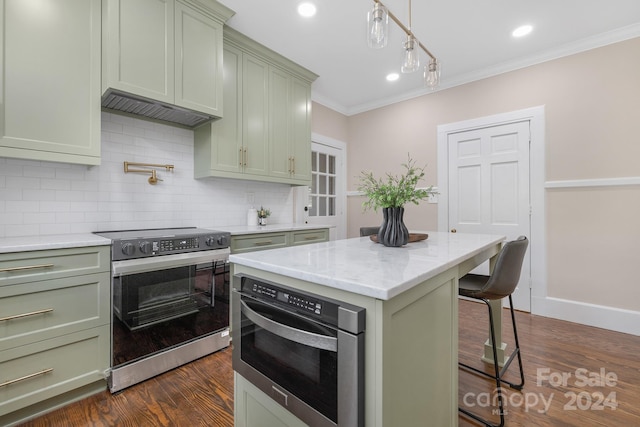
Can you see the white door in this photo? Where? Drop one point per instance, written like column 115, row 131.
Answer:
column 488, row 188
column 328, row 182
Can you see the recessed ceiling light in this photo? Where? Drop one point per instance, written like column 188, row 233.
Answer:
column 393, row 77
column 522, row 31
column 307, row 9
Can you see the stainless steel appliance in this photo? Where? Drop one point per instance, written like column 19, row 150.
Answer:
column 170, row 293
column 303, row 350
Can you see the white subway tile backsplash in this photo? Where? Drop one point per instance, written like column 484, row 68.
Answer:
column 51, row 198
column 43, row 195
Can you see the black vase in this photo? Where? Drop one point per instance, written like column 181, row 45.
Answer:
column 392, row 231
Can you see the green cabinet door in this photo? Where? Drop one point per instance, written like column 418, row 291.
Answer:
column 289, row 128
column 138, row 47
column 300, row 144
column 218, row 148
column 280, row 121
column 255, row 114
column 50, row 85
column 198, row 59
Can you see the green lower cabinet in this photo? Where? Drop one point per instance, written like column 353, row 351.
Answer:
column 261, row 241
column 48, row 369
column 54, row 329
column 305, row 237
column 253, row 408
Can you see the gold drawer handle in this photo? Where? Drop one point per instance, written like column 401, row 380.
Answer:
column 268, row 242
column 311, row 238
column 27, row 267
column 26, row 377
column 33, row 313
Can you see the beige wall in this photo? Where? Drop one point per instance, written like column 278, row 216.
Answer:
column 592, row 104
column 329, row 123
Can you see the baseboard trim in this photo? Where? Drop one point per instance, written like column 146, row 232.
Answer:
column 615, row 319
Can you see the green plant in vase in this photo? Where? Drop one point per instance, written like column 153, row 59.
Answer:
column 391, row 193
column 263, row 214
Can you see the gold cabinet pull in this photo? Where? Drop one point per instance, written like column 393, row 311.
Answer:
column 26, row 267
column 26, row 377
column 266, row 242
column 311, row 238
column 240, row 156
column 289, row 165
column 19, row 316
column 293, row 168
column 453, row 230
column 245, row 158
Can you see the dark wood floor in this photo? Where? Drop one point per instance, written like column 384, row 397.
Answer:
column 201, row 393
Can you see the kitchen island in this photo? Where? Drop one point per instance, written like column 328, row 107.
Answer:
column 411, row 299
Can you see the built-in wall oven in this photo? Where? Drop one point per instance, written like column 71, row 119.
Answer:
column 170, row 300
column 303, row 350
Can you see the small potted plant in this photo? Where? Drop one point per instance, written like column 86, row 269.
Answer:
column 263, row 214
column 390, row 194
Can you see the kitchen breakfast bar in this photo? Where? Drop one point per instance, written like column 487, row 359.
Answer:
column 410, row 295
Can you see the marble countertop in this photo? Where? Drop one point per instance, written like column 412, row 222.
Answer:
column 361, row 266
column 269, row 228
column 61, row 241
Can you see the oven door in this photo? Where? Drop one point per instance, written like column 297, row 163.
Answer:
column 162, row 302
column 295, row 360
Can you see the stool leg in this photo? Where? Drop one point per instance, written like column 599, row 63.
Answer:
column 497, row 377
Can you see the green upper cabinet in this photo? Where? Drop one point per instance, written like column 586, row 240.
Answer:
column 290, row 133
column 165, row 50
column 138, row 47
column 255, row 115
column 266, row 132
column 50, row 80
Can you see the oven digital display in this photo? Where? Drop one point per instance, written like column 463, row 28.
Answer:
column 300, row 302
column 177, row 244
column 306, row 304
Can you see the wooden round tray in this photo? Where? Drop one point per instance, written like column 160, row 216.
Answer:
column 413, row 237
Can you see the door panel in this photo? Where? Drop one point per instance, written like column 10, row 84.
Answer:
column 489, row 188
column 326, row 194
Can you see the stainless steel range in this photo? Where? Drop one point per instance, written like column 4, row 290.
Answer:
column 170, row 293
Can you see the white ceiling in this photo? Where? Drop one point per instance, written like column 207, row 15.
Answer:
column 471, row 38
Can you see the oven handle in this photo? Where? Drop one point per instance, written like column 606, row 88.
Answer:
column 143, row 265
column 309, row 339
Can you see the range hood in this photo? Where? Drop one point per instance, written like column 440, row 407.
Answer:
column 128, row 103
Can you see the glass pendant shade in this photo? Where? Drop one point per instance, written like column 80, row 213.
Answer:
column 411, row 61
column 432, row 74
column 378, row 26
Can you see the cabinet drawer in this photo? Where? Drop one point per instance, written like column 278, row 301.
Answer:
column 41, row 310
column 22, row 267
column 309, row 236
column 35, row 372
column 255, row 242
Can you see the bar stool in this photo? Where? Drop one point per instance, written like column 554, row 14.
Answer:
column 500, row 284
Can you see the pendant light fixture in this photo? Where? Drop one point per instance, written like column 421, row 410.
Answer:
column 378, row 34
column 411, row 59
column 432, row 74
column 378, row 19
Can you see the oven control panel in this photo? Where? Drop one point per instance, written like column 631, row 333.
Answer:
column 288, row 298
column 176, row 244
column 148, row 243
